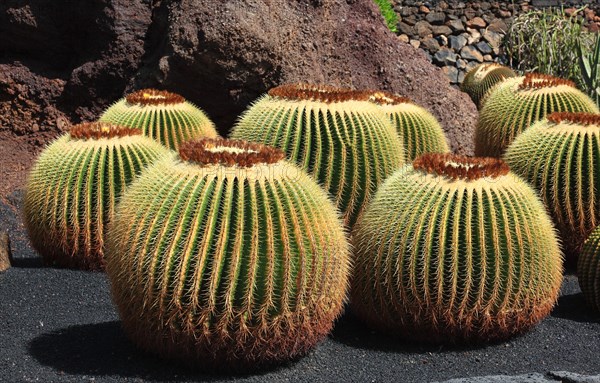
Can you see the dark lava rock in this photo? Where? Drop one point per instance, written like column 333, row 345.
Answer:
column 436, row 18
column 220, row 55
column 80, row 55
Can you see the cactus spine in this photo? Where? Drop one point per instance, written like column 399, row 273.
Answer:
column 419, row 130
column 516, row 103
column 163, row 116
column 227, row 257
column 344, row 141
column 588, row 270
column 481, row 79
column 455, row 249
column 74, row 185
column 559, row 156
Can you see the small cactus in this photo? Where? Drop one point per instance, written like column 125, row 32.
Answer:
column 516, row 103
column 74, row 185
column 227, row 257
column 163, row 116
column 344, row 141
column 481, row 79
column 455, row 249
column 419, row 130
column 559, row 156
column 588, row 270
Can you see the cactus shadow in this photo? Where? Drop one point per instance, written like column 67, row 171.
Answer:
column 350, row 331
column 574, row 307
column 102, row 349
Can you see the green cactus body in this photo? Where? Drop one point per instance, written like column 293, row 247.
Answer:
column 344, row 141
column 163, row 116
column 559, row 156
column 455, row 249
column 73, row 187
column 516, row 103
column 419, row 130
column 588, row 270
column 227, row 257
column 481, row 79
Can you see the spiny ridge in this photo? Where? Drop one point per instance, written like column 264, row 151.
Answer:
column 154, row 97
column 539, row 81
column 209, row 151
column 319, row 93
column 584, row 119
column 97, row 130
column 386, row 98
column 461, row 167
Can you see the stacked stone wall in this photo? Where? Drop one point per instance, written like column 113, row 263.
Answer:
column 458, row 35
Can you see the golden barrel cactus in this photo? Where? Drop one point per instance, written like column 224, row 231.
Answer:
column 455, row 249
column 516, row 103
column 344, row 141
column 227, row 257
column 481, row 79
column 419, row 130
column 73, row 188
column 163, row 116
column 560, row 157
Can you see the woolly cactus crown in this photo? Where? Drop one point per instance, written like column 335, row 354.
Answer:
column 344, row 141
column 517, row 103
column 455, row 249
column 419, row 130
column 74, row 185
column 481, row 79
column 164, row 116
column 227, row 257
column 559, row 157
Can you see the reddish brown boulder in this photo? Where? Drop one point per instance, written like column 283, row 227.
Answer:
column 224, row 55
column 62, row 60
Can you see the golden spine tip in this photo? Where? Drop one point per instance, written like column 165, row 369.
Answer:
column 319, row 93
column 539, row 81
column 584, row 119
column 386, row 98
column 456, row 166
column 97, row 130
column 146, row 97
column 213, row 151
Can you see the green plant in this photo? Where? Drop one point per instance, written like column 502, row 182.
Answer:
column 419, row 130
column 73, row 187
column 545, row 41
column 164, row 116
column 388, row 13
column 588, row 270
column 481, row 79
column 516, row 103
column 455, row 249
column 344, row 141
column 227, row 257
column 589, row 66
column 559, row 156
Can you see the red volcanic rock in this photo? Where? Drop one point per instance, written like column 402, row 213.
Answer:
column 67, row 61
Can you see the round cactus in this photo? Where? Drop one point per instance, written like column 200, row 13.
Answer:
column 559, row 156
column 227, row 257
column 481, row 79
column 163, row 116
column 455, row 249
column 588, row 270
column 516, row 103
column 344, row 141
column 419, row 130
column 74, row 185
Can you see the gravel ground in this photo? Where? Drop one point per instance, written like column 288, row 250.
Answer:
column 61, row 326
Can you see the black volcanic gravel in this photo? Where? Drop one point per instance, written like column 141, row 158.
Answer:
column 60, row 326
